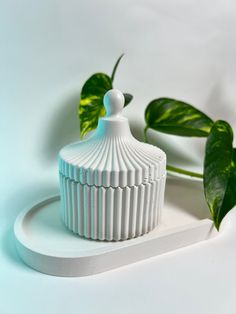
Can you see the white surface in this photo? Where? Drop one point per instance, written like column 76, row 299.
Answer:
column 183, row 49
column 112, row 185
column 44, row 244
column 112, row 156
column 114, row 101
column 111, row 213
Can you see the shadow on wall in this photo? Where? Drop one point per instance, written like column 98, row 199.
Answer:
column 220, row 104
column 188, row 196
column 63, row 128
column 176, row 154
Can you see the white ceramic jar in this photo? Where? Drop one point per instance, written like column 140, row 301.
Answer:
column 112, row 186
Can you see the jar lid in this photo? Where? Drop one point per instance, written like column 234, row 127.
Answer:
column 112, row 157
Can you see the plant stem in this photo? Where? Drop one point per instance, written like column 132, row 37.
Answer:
column 145, row 134
column 184, row 172
column 115, row 67
column 176, row 169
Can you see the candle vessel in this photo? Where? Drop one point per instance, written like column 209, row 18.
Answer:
column 111, row 185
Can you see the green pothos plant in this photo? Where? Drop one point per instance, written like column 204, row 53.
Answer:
column 178, row 118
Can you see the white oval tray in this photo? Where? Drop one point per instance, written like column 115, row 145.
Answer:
column 46, row 245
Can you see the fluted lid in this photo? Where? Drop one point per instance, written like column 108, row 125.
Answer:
column 112, row 156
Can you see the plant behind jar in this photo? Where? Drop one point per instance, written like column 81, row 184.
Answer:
column 178, row 118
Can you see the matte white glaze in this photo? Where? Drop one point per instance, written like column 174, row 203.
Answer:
column 110, row 172
column 111, row 213
column 48, row 248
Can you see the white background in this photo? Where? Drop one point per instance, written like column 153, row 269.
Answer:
column 48, row 48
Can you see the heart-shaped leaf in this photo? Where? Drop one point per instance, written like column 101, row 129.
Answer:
column 176, row 117
column 230, row 194
column 219, row 171
column 128, row 99
column 91, row 101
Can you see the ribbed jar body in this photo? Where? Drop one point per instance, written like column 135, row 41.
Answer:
column 113, row 214
column 112, row 185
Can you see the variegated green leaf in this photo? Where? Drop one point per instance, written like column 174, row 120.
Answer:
column 176, row 117
column 230, row 194
column 91, row 101
column 128, row 99
column 219, row 171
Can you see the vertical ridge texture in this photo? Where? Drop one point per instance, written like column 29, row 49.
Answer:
column 111, row 214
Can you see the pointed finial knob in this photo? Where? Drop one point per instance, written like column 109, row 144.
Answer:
column 114, row 102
